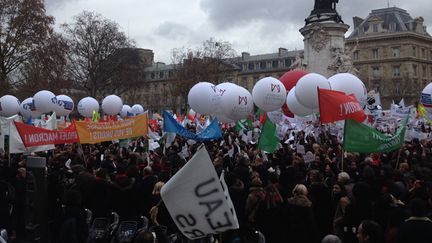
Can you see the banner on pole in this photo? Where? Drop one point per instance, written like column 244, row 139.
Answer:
column 96, row 132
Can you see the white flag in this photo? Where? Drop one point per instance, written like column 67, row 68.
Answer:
column 51, row 123
column 196, row 200
column 5, row 121
column 16, row 145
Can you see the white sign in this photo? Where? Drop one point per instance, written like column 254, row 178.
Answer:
column 196, row 200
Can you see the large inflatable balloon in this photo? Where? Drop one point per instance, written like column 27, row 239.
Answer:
column 222, row 89
column 125, row 110
column 9, row 105
column 289, row 80
column 295, row 106
column 203, row 98
column 28, row 110
column 237, row 103
column 426, row 97
column 306, row 89
column 349, row 84
column 269, row 94
column 45, row 101
column 64, row 105
column 137, row 109
column 112, row 105
column 86, row 106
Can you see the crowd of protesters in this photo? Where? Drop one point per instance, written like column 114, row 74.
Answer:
column 278, row 197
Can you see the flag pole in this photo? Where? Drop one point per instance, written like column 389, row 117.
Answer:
column 398, row 158
column 342, row 160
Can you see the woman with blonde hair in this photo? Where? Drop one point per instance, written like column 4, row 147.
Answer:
column 299, row 209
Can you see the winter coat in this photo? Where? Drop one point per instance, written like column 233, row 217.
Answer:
column 301, row 223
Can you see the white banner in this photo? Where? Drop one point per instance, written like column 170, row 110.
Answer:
column 16, row 144
column 196, row 200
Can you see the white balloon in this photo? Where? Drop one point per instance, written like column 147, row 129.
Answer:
column 349, row 84
column 9, row 105
column 296, row 107
column 28, row 110
column 237, row 103
column 112, row 105
column 125, row 110
column 223, row 87
column 203, row 98
column 64, row 105
column 223, row 118
column 137, row 109
column 45, row 101
column 306, row 89
column 87, row 105
column 275, row 116
column 269, row 94
column 426, row 97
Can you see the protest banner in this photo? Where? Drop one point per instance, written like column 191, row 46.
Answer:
column 36, row 136
column 336, row 106
column 196, row 200
column 96, row 132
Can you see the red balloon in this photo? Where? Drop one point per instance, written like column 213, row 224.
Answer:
column 286, row 111
column 289, row 80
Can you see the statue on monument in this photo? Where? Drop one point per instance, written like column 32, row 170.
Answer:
column 342, row 60
column 324, row 10
column 298, row 63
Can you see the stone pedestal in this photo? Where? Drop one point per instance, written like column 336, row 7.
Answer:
column 323, row 42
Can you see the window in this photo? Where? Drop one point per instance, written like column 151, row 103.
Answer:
column 415, row 70
column 275, row 63
column 356, row 55
column 424, row 71
column 414, row 51
column 288, row 62
column 375, row 28
column 161, row 74
column 263, row 65
column 396, row 71
column 423, row 53
column 244, row 82
column 397, row 87
column 375, row 53
column 392, row 27
column 375, row 72
column 396, row 51
column 152, row 75
column 244, row 67
column 376, row 86
column 251, row 66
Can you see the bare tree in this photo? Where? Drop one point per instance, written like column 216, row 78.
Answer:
column 24, row 28
column 211, row 62
column 97, row 55
column 45, row 69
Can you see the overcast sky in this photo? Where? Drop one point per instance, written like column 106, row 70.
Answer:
column 254, row 26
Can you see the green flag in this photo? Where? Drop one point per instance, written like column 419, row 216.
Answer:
column 240, row 126
column 361, row 138
column 268, row 140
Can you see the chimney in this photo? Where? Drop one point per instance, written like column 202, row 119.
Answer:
column 282, row 51
column 245, row 55
column 357, row 21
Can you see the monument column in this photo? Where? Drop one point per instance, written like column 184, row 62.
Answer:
column 324, row 39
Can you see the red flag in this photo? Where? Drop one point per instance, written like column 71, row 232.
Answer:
column 153, row 124
column 336, row 106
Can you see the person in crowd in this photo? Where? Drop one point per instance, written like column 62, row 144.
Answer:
column 369, row 232
column 418, row 227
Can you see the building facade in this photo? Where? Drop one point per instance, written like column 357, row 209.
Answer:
column 391, row 50
column 393, row 53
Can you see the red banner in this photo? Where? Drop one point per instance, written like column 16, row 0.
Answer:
column 336, row 106
column 36, row 136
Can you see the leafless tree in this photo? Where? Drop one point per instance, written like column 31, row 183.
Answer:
column 211, row 62
column 99, row 55
column 24, row 28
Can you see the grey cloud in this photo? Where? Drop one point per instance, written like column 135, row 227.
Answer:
column 230, row 14
column 172, row 30
column 51, row 5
